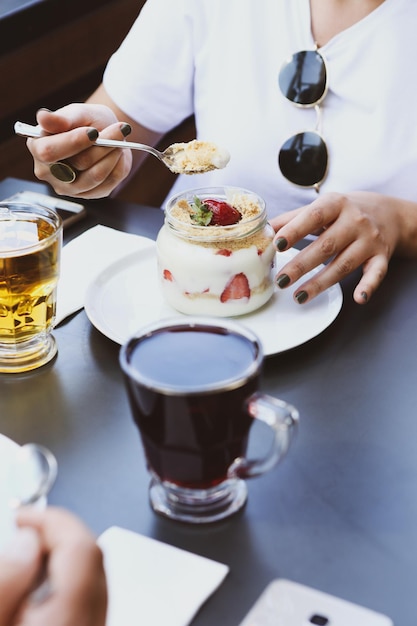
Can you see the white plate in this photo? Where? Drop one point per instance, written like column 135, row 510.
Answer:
column 126, row 296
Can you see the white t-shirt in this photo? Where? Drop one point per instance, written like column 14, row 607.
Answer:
column 220, row 60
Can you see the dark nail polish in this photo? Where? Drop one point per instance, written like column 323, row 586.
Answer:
column 301, row 297
column 92, row 134
column 125, row 129
column 364, row 296
column 281, row 243
column 283, row 280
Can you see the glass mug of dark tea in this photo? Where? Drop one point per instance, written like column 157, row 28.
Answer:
column 30, row 249
column 192, row 384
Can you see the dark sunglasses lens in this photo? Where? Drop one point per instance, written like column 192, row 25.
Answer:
column 303, row 159
column 303, row 79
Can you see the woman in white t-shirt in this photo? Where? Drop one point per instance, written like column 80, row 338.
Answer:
column 354, row 140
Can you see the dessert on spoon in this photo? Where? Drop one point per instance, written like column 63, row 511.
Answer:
column 193, row 157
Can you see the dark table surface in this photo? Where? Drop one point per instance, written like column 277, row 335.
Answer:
column 339, row 514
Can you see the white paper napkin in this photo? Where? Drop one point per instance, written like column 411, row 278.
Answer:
column 86, row 256
column 152, row 583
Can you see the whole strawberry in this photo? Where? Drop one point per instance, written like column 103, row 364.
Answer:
column 213, row 212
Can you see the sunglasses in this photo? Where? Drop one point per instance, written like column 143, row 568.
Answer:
column 303, row 158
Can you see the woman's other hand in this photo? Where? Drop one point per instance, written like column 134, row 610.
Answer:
column 359, row 229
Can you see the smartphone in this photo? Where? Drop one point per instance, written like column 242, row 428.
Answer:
column 286, row 603
column 68, row 210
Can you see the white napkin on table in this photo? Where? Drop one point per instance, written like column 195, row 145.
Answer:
column 151, row 583
column 85, row 257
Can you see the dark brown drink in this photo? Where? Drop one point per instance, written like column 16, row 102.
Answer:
column 193, row 390
column 188, row 399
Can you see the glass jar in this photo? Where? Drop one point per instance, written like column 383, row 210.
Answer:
column 216, row 270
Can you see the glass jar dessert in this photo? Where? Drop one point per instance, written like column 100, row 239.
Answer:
column 215, row 252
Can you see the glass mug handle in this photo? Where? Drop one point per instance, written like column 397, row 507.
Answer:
column 282, row 419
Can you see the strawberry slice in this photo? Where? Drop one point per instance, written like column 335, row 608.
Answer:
column 167, row 275
column 236, row 288
column 213, row 212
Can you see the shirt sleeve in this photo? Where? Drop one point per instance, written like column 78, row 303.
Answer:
column 151, row 75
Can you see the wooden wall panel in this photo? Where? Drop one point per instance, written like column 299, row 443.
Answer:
column 60, row 59
column 64, row 64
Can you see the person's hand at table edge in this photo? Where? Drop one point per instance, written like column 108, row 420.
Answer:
column 76, row 586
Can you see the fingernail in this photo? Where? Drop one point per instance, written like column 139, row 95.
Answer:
column 92, row 134
column 125, row 129
column 281, row 243
column 23, row 547
column 283, row 280
column 45, row 109
column 301, row 297
column 364, row 296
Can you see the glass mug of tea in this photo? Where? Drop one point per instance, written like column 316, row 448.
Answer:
column 193, row 389
column 30, row 248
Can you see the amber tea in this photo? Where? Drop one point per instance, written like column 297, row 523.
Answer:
column 30, row 244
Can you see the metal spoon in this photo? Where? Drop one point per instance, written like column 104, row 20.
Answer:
column 35, row 470
column 172, row 156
